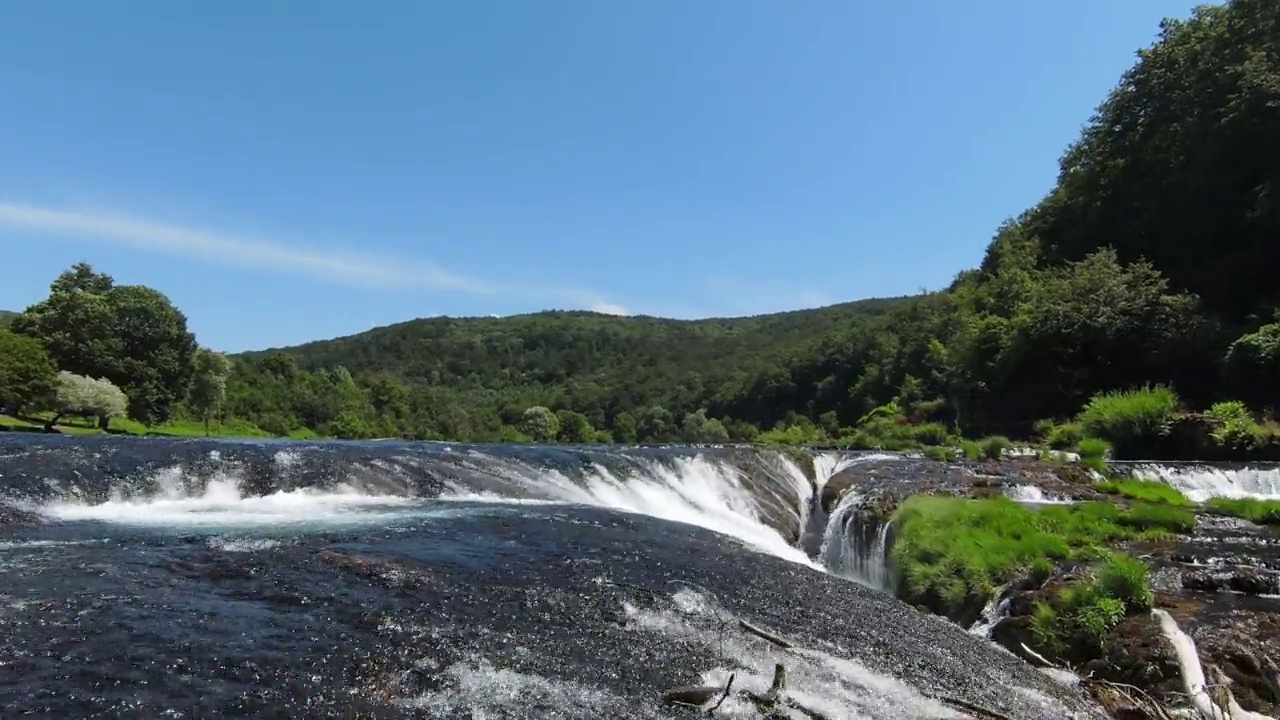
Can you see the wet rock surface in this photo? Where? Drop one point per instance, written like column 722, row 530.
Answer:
column 889, row 481
column 510, row 608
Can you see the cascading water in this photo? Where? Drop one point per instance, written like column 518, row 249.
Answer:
column 856, row 545
column 205, row 578
column 1201, row 482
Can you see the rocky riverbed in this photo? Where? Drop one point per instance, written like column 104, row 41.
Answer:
column 1220, row 582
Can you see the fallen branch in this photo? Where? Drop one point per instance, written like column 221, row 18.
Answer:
column 1143, row 701
column 969, row 707
column 1037, row 656
column 690, row 695
column 775, row 639
column 727, row 687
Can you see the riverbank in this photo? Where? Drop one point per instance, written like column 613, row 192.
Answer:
column 1073, row 570
column 37, row 423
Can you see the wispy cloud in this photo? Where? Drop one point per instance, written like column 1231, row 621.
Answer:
column 331, row 266
column 334, row 266
column 609, row 309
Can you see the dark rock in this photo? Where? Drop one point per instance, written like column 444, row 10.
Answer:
column 1246, row 580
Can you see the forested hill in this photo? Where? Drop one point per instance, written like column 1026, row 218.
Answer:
column 6, row 317
column 1151, row 262
column 596, row 364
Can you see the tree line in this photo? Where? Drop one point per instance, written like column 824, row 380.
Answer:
column 1144, row 275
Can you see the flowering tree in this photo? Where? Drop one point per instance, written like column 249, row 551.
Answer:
column 87, row 397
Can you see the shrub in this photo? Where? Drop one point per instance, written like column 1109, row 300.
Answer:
column 930, row 433
column 1237, row 431
column 1082, row 614
column 1132, row 421
column 993, row 448
column 1065, row 436
column 934, row 452
column 970, row 449
column 1092, row 453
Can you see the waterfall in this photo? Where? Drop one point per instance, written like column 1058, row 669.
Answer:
column 1200, row 482
column 855, row 545
column 996, row 609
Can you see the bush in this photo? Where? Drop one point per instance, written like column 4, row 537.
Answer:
column 993, row 448
column 1132, row 421
column 930, row 433
column 934, row 452
column 1237, row 431
column 82, row 396
column 1092, row 453
column 1065, row 436
column 970, row 449
column 1080, row 616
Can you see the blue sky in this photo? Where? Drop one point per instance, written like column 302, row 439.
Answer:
column 288, row 171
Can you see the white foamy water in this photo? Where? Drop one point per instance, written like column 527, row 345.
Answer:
column 996, row 609
column 694, row 490
column 478, row 689
column 1201, row 482
column 220, row 503
column 1032, row 494
column 834, row 686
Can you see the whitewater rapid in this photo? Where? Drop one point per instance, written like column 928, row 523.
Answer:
column 1201, row 482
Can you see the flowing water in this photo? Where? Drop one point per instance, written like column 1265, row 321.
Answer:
column 1200, row 481
column 177, row 578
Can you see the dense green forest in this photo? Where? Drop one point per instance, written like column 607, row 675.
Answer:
column 1138, row 293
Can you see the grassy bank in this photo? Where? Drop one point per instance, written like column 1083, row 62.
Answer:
column 951, row 554
column 35, row 423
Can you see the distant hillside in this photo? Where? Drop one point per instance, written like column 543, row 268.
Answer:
column 592, row 361
column 6, row 317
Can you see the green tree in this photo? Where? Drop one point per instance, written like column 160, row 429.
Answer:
column 1252, row 366
column 540, row 424
column 208, row 390
column 129, row 334
column 27, row 375
column 624, row 427
column 574, row 427
column 1180, row 166
column 698, row 428
column 656, row 425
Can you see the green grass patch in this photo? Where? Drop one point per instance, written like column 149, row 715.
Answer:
column 1262, row 512
column 949, row 552
column 1152, row 491
column 174, row 428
